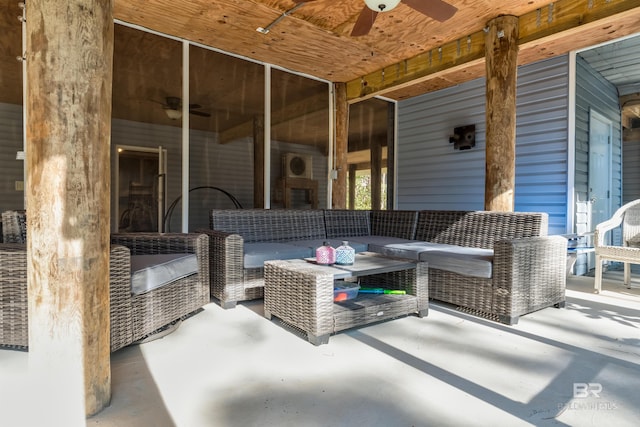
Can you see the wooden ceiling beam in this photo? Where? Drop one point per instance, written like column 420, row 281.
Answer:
column 363, row 156
column 288, row 112
column 560, row 22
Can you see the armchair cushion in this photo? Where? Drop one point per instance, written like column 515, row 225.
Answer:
column 150, row 272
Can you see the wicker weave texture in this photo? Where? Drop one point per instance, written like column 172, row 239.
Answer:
column 131, row 317
column 157, row 308
column 14, row 226
column 14, row 330
column 13, row 295
column 526, row 267
column 479, row 229
column 302, row 296
column 401, row 224
column 344, row 222
column 269, row 225
column 232, row 228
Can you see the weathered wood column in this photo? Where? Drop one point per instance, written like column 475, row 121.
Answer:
column 376, row 173
column 501, row 45
column 69, row 57
column 339, row 189
column 352, row 186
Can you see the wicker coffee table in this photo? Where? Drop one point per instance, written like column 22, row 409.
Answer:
column 300, row 293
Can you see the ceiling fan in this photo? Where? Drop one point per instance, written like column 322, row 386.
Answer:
column 173, row 108
column 436, row 9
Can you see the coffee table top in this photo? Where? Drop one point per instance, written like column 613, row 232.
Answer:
column 365, row 263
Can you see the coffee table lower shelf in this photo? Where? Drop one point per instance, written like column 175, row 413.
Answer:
column 301, row 295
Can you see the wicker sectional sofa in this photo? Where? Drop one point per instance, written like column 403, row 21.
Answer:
column 498, row 265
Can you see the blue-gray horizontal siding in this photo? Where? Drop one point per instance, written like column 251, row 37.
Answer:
column 432, row 175
column 594, row 92
column 542, row 106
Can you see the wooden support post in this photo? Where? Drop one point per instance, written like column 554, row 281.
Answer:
column 352, row 186
column 258, row 162
column 339, row 189
column 501, row 45
column 69, row 56
column 376, row 173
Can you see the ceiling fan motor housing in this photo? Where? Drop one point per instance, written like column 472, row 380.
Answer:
column 173, row 103
column 382, row 5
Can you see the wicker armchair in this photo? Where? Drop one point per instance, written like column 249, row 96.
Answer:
column 627, row 217
column 133, row 317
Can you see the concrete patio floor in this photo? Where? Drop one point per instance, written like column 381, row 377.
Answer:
column 577, row 366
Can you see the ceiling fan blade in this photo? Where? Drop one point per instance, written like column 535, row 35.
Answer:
column 436, row 9
column 192, row 106
column 364, row 23
column 199, row 113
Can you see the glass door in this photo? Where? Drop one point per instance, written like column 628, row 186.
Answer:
column 140, row 188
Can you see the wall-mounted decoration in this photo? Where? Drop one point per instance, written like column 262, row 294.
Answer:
column 464, row 137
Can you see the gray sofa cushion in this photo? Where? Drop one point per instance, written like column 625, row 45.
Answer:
column 255, row 254
column 335, row 242
column 475, row 262
column 150, row 272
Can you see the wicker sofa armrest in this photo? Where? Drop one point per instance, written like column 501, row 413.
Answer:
column 13, row 295
column 162, row 306
column 528, row 274
column 226, row 263
column 120, row 297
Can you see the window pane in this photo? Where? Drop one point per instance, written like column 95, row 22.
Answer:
column 146, row 127
column 227, row 97
column 369, row 154
column 299, row 141
column 11, row 137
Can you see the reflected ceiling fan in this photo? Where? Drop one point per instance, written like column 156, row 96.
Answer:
column 436, row 9
column 173, row 107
